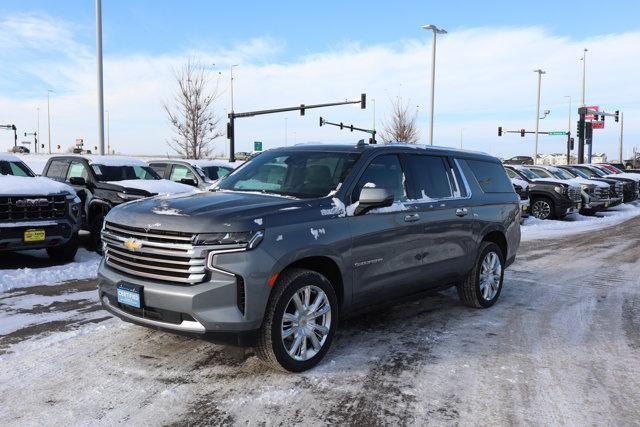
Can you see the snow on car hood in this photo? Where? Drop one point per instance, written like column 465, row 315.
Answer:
column 559, row 181
column 630, row 175
column 26, row 186
column 522, row 183
column 581, row 180
column 155, row 186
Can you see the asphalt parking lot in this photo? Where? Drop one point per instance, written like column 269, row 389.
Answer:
column 562, row 346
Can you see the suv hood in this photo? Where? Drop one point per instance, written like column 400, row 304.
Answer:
column 11, row 185
column 556, row 181
column 153, row 186
column 198, row 212
column 581, row 180
column 633, row 176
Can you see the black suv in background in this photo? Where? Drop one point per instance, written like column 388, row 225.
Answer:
column 103, row 182
column 300, row 237
column 615, row 186
column 198, row 173
column 629, row 185
column 519, row 160
column 36, row 212
column 550, row 198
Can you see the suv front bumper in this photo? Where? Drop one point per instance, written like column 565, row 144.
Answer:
column 57, row 232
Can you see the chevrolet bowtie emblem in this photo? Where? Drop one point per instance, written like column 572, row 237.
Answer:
column 132, row 244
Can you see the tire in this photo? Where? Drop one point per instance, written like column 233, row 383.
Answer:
column 470, row 291
column 272, row 348
column 542, row 208
column 95, row 227
column 65, row 252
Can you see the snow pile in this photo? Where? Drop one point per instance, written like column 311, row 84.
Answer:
column 534, row 228
column 155, row 186
column 85, row 266
column 27, row 186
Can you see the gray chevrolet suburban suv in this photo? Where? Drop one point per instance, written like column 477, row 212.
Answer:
column 300, row 237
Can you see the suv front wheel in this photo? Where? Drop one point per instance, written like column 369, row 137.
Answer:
column 300, row 321
column 542, row 208
column 482, row 286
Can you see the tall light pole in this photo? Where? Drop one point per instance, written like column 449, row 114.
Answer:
column 621, row 130
column 535, row 152
column 436, row 31
column 100, row 84
column 374, row 114
column 49, row 119
column 569, row 132
column 108, row 133
column 584, row 72
column 461, row 129
column 231, row 83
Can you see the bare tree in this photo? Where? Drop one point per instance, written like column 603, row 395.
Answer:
column 192, row 116
column 401, row 126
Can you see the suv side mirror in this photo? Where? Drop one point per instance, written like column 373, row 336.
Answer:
column 77, row 180
column 189, row 181
column 371, row 198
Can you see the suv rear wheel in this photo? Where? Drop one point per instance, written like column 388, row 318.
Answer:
column 482, row 286
column 300, row 321
column 542, row 208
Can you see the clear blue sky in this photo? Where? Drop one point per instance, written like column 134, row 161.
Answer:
column 159, row 26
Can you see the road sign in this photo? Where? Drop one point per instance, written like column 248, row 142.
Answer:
column 257, row 146
column 597, row 125
column 557, row 132
column 591, row 116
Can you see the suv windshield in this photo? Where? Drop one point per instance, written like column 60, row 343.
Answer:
column 528, row 173
column 121, row 173
column 14, row 168
column 303, row 174
column 561, row 173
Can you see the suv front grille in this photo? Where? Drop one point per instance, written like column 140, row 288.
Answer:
column 574, row 194
column 153, row 254
column 600, row 193
column 21, row 208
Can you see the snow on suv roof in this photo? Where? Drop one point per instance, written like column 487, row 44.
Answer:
column 9, row 157
column 203, row 163
column 115, row 161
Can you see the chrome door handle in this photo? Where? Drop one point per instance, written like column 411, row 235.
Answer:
column 462, row 211
column 412, row 217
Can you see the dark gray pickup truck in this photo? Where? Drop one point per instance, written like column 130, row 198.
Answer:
column 301, row 237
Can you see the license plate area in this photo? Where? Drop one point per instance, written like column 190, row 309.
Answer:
column 34, row 235
column 129, row 294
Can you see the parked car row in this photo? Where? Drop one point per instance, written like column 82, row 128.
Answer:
column 557, row 191
column 75, row 192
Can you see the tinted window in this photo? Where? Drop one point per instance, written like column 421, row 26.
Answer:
column 58, row 169
column 216, row 172
column 14, row 168
column 383, row 172
column 491, row 176
column 77, row 170
column 431, row 179
column 512, row 174
column 298, row 173
column 159, row 168
column 180, row 172
column 121, row 173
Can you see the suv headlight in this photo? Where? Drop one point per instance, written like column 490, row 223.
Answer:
column 250, row 239
column 560, row 190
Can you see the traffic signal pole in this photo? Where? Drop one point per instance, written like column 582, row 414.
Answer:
column 15, row 133
column 302, row 108
column 342, row 126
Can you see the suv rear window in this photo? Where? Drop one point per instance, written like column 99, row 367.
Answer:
column 431, row 178
column 491, row 176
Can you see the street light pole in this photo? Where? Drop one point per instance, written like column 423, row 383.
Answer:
column 535, row 153
column 100, row 80
column 435, row 31
column 49, row 120
column 584, row 72
column 621, row 131
column 108, row 133
column 569, row 132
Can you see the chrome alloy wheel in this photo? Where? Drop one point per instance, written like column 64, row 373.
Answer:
column 490, row 275
column 541, row 209
column 306, row 323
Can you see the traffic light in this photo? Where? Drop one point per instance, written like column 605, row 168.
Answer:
column 617, row 118
column 522, row 133
column 351, row 128
column 321, row 121
column 57, row 146
column 499, row 130
column 581, row 129
column 363, row 101
column 229, row 130
column 602, row 118
column 302, row 109
column 571, row 144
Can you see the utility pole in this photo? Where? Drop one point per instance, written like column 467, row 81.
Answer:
column 38, row 122
column 436, row 31
column 374, row 113
column 231, row 132
column 100, row 80
column 108, row 135
column 584, row 72
column 49, row 119
column 569, row 132
column 535, row 152
column 621, row 133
